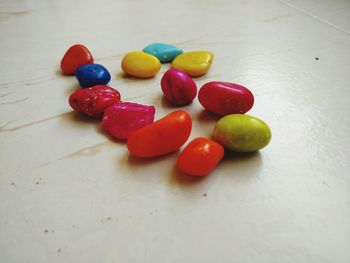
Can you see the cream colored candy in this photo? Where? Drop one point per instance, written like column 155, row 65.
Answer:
column 140, row 64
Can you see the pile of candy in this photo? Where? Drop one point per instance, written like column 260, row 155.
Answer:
column 235, row 131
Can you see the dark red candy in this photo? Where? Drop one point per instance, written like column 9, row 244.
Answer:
column 225, row 98
column 76, row 56
column 93, row 101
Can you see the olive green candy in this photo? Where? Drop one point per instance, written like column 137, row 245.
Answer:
column 242, row 133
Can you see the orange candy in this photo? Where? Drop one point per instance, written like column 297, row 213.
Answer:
column 161, row 137
column 76, row 56
column 200, row 157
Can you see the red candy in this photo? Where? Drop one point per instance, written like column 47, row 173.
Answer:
column 123, row 118
column 200, row 157
column 225, row 98
column 161, row 137
column 93, row 101
column 75, row 57
column 178, row 87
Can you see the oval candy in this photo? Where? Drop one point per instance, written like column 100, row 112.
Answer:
column 161, row 137
column 178, row 88
column 195, row 63
column 93, row 101
column 76, row 56
column 92, row 74
column 242, row 133
column 140, row 64
column 200, row 157
column 225, row 98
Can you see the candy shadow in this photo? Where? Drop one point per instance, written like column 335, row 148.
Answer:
column 73, row 88
column 108, row 136
column 241, row 165
column 241, row 156
column 58, row 72
column 206, row 116
column 122, row 75
column 132, row 160
column 77, row 117
column 166, row 104
column 177, row 177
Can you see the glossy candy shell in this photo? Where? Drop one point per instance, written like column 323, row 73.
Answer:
column 178, row 88
column 93, row 101
column 123, row 118
column 200, row 157
column 242, row 133
column 164, row 52
column 225, row 98
column 140, row 64
column 161, row 137
column 195, row 63
column 76, row 56
column 91, row 75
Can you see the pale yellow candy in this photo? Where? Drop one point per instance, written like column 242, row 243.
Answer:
column 195, row 63
column 140, row 64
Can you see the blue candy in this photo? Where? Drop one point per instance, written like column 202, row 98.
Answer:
column 164, row 52
column 92, row 74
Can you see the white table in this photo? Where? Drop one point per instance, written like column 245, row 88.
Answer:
column 69, row 193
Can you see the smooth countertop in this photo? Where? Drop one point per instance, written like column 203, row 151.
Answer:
column 69, row 193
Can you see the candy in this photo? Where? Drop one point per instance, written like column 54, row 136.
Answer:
column 123, row 118
column 93, row 101
column 178, row 88
column 200, row 157
column 195, row 63
column 140, row 64
column 76, row 56
column 161, row 137
column 242, row 133
column 164, row 52
column 92, row 74
column 225, row 98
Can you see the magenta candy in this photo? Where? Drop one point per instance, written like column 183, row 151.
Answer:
column 178, row 87
column 123, row 118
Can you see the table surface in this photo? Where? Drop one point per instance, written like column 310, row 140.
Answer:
column 69, row 193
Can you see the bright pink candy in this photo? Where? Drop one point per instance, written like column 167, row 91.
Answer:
column 178, row 87
column 123, row 118
column 93, row 101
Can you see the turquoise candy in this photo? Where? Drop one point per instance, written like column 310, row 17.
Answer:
column 164, row 52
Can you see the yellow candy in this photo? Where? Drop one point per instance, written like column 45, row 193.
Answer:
column 140, row 64
column 195, row 63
